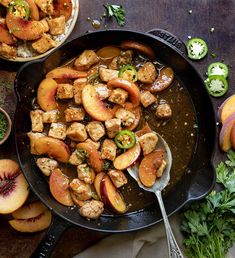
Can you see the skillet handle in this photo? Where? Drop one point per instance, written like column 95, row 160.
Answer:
column 48, row 243
column 170, row 39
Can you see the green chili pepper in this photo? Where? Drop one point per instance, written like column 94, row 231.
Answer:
column 216, row 85
column 218, row 68
column 125, row 139
column 20, row 8
column 93, row 77
column 128, row 72
column 197, row 48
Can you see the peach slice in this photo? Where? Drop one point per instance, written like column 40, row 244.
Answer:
column 34, row 13
column 149, row 166
column 62, row 7
column 5, row 3
column 225, row 133
column 5, row 36
column 65, row 73
column 94, row 105
column 127, row 158
column 111, row 196
column 226, row 109
column 97, row 182
column 130, row 87
column 46, row 94
column 107, row 53
column 94, row 157
column 30, row 210
column 59, row 187
column 41, row 222
column 14, row 189
column 232, row 136
column 54, row 148
column 137, row 112
column 24, row 29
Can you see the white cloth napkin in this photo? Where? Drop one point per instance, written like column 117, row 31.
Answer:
column 148, row 243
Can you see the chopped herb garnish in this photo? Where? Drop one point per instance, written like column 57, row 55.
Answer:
column 3, row 126
column 82, row 154
column 117, row 11
column 107, row 165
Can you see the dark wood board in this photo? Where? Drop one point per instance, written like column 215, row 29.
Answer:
column 141, row 15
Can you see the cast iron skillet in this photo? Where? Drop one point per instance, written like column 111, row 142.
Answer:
column 192, row 186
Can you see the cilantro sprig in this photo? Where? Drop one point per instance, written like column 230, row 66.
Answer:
column 209, row 225
column 116, row 11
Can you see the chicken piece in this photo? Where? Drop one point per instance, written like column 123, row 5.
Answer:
column 147, row 73
column 108, row 150
column 118, row 177
column 47, row 165
column 74, row 114
column 45, row 5
column 45, row 25
column 126, row 116
column 102, row 90
column 36, row 120
column 85, row 173
column 96, row 145
column 57, row 130
column 107, row 74
column 86, row 60
column 163, row 111
column 7, row 51
column 92, row 209
column 147, row 98
column 64, row 91
column 161, row 169
column 113, row 126
column 148, row 142
column 50, row 116
column 57, row 25
column 32, row 139
column 118, row 96
column 75, row 158
column 81, row 190
column 43, row 44
column 124, row 58
column 77, row 132
column 96, row 130
column 78, row 86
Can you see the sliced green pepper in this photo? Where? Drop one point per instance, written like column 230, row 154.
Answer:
column 218, row 68
column 20, row 8
column 128, row 72
column 216, row 85
column 93, row 77
column 197, row 48
column 125, row 139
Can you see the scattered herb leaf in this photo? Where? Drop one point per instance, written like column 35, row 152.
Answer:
column 117, row 11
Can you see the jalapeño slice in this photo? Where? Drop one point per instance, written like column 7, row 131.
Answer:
column 20, row 8
column 128, row 72
column 218, row 68
column 125, row 139
column 216, row 85
column 197, row 48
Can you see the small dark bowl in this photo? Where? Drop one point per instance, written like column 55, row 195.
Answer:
column 9, row 124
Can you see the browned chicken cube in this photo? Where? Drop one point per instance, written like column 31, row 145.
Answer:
column 57, row 25
column 124, row 58
column 45, row 5
column 58, row 131
column 81, row 190
column 108, row 150
column 64, row 91
column 32, row 139
column 148, row 142
column 107, row 74
column 147, row 73
column 163, row 111
column 118, row 96
column 118, row 177
column 92, row 209
column 102, row 90
column 95, row 130
column 78, row 86
column 86, row 60
column 7, row 51
column 113, row 126
column 77, row 132
column 74, row 114
column 96, row 145
column 75, row 158
column 43, row 44
column 36, row 120
column 85, row 173
column 50, row 116
column 147, row 98
column 126, row 116
column 47, row 165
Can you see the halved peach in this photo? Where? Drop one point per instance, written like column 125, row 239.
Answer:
column 111, row 196
column 94, row 106
column 30, row 210
column 226, row 109
column 54, row 148
column 127, row 158
column 225, row 133
column 34, row 13
column 41, row 222
column 24, row 29
column 137, row 112
column 149, row 166
column 65, row 73
column 46, row 94
column 130, row 87
column 232, row 136
column 5, row 36
column 59, row 187
column 62, row 7
column 94, row 157
column 145, row 129
column 97, row 182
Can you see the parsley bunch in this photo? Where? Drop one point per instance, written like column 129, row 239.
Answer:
column 209, row 225
column 117, row 11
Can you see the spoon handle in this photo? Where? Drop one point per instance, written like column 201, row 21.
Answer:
column 174, row 250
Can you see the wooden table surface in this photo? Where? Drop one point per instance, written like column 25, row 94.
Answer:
column 141, row 15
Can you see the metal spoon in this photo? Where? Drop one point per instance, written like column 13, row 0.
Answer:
column 160, row 184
